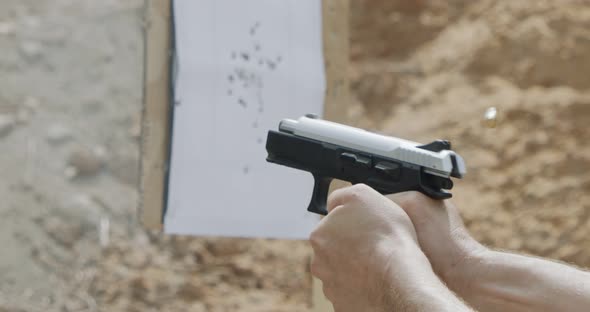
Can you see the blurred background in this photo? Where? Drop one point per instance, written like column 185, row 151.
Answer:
column 70, row 101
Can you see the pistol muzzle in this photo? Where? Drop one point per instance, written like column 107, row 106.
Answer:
column 287, row 125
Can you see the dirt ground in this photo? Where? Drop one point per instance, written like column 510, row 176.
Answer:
column 70, row 97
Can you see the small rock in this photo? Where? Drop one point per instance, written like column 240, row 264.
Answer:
column 242, row 267
column 6, row 125
column 31, row 50
column 86, row 162
column 81, row 208
column 58, row 134
column 63, row 231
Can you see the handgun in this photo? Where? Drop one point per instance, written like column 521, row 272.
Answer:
column 389, row 165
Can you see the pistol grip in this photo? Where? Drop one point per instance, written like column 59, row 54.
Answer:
column 319, row 197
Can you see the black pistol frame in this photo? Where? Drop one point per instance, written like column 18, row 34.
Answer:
column 327, row 161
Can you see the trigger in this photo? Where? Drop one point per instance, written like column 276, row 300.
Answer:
column 435, row 194
column 319, row 197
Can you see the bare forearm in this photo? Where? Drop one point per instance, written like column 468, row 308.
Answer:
column 439, row 298
column 426, row 293
column 509, row 282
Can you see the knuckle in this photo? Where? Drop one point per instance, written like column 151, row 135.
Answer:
column 349, row 195
column 355, row 193
column 361, row 188
column 342, row 196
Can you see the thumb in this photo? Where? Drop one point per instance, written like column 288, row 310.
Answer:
column 414, row 203
column 425, row 211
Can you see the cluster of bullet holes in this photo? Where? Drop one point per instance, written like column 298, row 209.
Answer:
column 246, row 80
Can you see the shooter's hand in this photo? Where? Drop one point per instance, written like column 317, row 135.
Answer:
column 442, row 237
column 491, row 280
column 368, row 258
